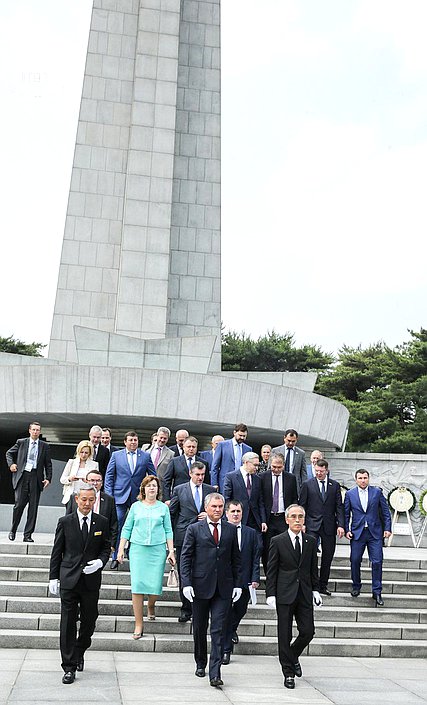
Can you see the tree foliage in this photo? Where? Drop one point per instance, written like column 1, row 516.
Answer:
column 12, row 345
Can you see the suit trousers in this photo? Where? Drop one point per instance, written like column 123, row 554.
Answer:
column 375, row 553
column 122, row 510
column 85, row 601
column 27, row 492
column 186, row 608
column 289, row 652
column 276, row 525
column 328, row 543
column 235, row 614
column 217, row 608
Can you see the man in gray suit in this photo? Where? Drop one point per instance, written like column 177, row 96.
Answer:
column 294, row 457
column 161, row 455
column 187, row 507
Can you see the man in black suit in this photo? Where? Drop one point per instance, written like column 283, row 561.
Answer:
column 294, row 457
column 211, row 579
column 101, row 454
column 31, row 467
column 245, row 486
column 279, row 490
column 104, row 504
column 187, row 507
column 80, row 551
column 180, row 437
column 292, row 588
column 106, row 441
column 178, row 470
column 324, row 516
column 250, row 553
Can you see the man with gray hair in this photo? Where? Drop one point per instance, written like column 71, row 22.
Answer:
column 101, row 454
column 161, row 455
column 244, row 485
column 211, row 579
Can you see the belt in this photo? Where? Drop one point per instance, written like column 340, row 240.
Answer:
column 277, row 514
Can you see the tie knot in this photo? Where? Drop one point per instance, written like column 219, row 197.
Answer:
column 85, row 519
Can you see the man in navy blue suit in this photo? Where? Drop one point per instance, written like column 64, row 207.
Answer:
column 228, row 455
column 250, row 553
column 211, row 579
column 125, row 472
column 178, row 469
column 244, row 485
column 367, row 523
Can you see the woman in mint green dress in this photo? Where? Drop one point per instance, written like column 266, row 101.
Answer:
column 149, row 530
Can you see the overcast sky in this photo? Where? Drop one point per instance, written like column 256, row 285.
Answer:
column 324, row 158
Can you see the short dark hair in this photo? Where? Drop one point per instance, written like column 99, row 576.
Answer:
column 236, row 502
column 93, row 472
column 241, row 427
column 130, row 434
column 322, row 463
column 197, row 465
column 361, row 472
column 107, row 429
column 193, row 439
column 291, row 432
column 34, row 423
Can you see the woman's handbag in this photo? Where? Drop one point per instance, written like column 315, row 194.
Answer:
column 172, row 580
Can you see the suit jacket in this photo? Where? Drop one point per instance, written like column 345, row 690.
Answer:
column 250, row 553
column 285, row 577
column 175, row 450
column 107, row 509
column 329, row 514
column 208, row 567
column 165, row 458
column 102, row 458
column 235, row 488
column 112, row 449
column 18, row 454
column 299, row 468
column 183, row 510
column 224, row 461
column 69, row 555
column 289, row 489
column 177, row 473
column 120, row 482
column 377, row 514
column 208, row 456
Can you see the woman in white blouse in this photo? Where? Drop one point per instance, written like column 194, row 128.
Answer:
column 76, row 469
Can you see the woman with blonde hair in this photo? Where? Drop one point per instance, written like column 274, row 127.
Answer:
column 148, row 528
column 76, row 469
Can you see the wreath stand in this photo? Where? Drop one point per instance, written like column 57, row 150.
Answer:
column 402, row 501
column 423, row 510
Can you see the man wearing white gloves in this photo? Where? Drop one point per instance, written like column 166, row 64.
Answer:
column 292, row 588
column 211, row 579
column 80, row 551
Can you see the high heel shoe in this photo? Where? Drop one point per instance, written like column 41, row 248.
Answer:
column 137, row 635
column 151, row 614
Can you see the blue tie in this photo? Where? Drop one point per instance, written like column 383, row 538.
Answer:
column 197, row 499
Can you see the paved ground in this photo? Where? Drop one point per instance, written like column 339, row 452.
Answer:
column 33, row 676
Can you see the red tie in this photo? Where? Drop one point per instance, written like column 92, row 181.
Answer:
column 215, row 533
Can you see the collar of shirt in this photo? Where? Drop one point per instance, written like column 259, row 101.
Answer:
column 211, row 527
column 294, row 537
column 80, row 516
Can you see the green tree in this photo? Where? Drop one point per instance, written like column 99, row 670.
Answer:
column 271, row 353
column 12, row 345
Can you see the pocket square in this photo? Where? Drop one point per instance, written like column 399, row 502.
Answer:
column 97, row 533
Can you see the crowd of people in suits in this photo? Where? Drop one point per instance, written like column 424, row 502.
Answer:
column 215, row 515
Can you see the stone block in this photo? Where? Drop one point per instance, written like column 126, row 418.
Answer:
column 161, row 190
column 129, row 317
column 163, row 140
column 158, row 240
column 154, row 319
column 162, row 165
column 159, row 215
column 136, row 212
column 155, row 292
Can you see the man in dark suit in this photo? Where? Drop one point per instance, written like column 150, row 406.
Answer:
column 294, row 457
column 187, row 507
column 125, row 472
column 160, row 454
column 228, row 455
column 279, row 490
column 245, row 486
column 292, row 588
column 106, row 441
column 101, row 454
column 180, row 437
column 250, row 552
column 209, row 454
column 178, row 470
column 31, row 467
column 211, row 579
column 367, row 523
column 80, row 551
column 324, row 516
column 104, row 505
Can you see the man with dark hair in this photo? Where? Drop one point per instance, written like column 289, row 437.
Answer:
column 324, row 516
column 31, row 467
column 178, row 469
column 228, row 455
column 294, row 456
column 106, row 441
column 367, row 523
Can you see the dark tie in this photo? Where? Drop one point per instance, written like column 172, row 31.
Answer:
column 248, row 485
column 95, row 452
column 323, row 493
column 288, row 461
column 275, row 507
column 297, row 548
column 85, row 531
column 215, row 533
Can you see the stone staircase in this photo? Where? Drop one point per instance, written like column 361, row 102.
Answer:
column 345, row 626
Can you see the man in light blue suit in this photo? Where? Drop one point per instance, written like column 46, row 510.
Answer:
column 125, row 472
column 367, row 523
column 228, row 455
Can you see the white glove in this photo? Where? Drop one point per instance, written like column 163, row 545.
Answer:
column 236, row 594
column 54, row 587
column 317, row 600
column 92, row 566
column 188, row 592
column 271, row 601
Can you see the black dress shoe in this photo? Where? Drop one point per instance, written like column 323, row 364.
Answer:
column 289, row 682
column 200, row 672
column 355, row 593
column 80, row 663
column 28, row 539
column 68, row 677
column 226, row 658
column 298, row 669
column 235, row 638
column 114, row 565
column 325, row 591
column 216, row 682
column 11, row 536
column 184, row 618
column 379, row 602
